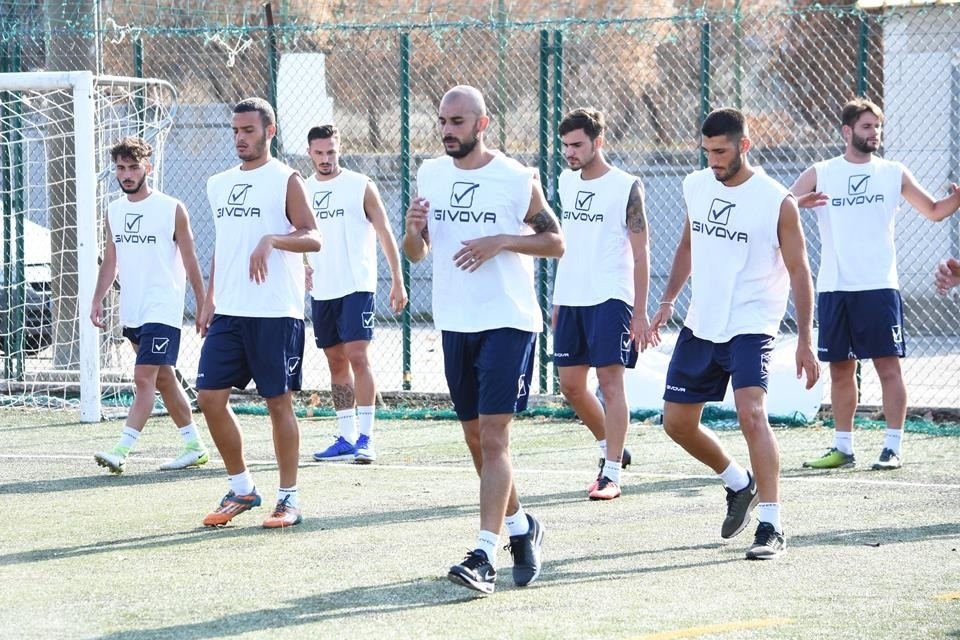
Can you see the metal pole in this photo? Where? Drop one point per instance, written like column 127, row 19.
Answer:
column 405, row 202
column 704, row 78
column 502, row 73
column 543, row 99
column 738, row 55
column 272, row 60
column 19, row 281
column 138, row 72
column 863, row 44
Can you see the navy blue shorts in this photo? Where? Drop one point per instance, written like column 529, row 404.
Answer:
column 597, row 335
column 488, row 372
column 700, row 370
column 157, row 344
column 860, row 325
column 343, row 319
column 238, row 349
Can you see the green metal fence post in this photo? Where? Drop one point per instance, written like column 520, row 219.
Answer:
column 862, row 45
column 704, row 78
column 138, row 72
column 272, row 69
column 557, row 51
column 543, row 98
column 405, row 202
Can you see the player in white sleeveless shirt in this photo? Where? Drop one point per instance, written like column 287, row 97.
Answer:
column 605, row 268
column 342, row 279
column 484, row 216
column 149, row 246
column 860, row 312
column 253, row 315
column 743, row 248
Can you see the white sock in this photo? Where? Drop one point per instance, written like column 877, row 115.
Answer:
column 735, row 477
column 290, row 495
column 242, row 483
column 487, row 542
column 189, row 433
column 893, row 440
column 603, row 448
column 346, row 420
column 128, row 437
column 612, row 470
column 843, row 441
column 770, row 512
column 517, row 524
column 365, row 416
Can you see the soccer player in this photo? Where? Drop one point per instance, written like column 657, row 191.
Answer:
column 253, row 316
column 743, row 248
column 856, row 197
column 947, row 275
column 603, row 273
column 484, row 215
column 351, row 217
column 149, row 245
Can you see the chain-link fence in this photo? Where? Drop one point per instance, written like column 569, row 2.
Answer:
column 655, row 70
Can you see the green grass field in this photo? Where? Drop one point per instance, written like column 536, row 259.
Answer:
column 89, row 555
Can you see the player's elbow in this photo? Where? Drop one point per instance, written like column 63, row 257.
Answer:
column 555, row 246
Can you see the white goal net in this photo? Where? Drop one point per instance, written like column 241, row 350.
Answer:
column 55, row 180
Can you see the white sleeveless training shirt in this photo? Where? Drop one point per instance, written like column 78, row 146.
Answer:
column 739, row 282
column 348, row 260
column 151, row 273
column 248, row 205
column 597, row 264
column 857, row 224
column 469, row 204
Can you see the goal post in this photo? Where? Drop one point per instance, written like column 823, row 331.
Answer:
column 55, row 177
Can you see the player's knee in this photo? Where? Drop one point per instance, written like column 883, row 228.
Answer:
column 573, row 390
column 752, row 420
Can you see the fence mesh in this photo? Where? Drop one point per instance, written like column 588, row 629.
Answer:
column 379, row 68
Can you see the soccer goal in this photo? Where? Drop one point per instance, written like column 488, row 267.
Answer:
column 55, row 181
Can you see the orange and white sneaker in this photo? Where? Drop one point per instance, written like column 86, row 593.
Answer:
column 231, row 505
column 606, row 489
column 284, row 515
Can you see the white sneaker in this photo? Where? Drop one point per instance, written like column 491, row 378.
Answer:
column 189, row 457
column 364, row 453
column 112, row 460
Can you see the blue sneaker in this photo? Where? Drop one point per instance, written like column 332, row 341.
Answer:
column 339, row 450
column 363, row 452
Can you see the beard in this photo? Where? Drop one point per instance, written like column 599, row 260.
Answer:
column 255, row 149
column 135, row 189
column 863, row 145
column 730, row 171
column 466, row 146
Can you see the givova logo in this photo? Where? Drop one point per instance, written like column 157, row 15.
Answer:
column 461, row 195
column 131, row 223
column 461, row 205
column 857, row 185
column 323, row 206
column 293, row 363
column 718, row 217
column 160, row 345
column 583, row 201
column 720, row 212
column 131, row 231
column 626, row 347
column 581, row 208
column 236, row 204
column 366, row 317
column 857, row 192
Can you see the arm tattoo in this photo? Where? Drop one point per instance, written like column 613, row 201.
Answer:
column 342, row 396
column 544, row 222
column 636, row 212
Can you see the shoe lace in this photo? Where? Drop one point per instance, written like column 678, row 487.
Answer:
column 765, row 532
column 473, row 559
column 602, row 482
column 282, row 507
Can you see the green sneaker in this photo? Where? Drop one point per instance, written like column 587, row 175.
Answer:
column 832, row 459
column 193, row 455
column 115, row 460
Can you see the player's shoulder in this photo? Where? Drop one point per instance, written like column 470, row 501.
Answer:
column 697, row 177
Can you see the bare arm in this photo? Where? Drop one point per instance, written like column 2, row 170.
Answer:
column 546, row 241
column 923, row 202
column 805, row 189
column 105, row 277
column 303, row 239
column 640, row 246
column 209, row 306
column 377, row 215
column 793, row 248
column 183, row 236
column 416, row 235
column 947, row 275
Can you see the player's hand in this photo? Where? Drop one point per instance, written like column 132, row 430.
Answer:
column 258, row 259
column 398, row 296
column 308, row 277
column 807, row 364
column 947, row 275
column 476, row 252
column 199, row 314
column 205, row 317
column 96, row 315
column 417, row 216
column 812, row 200
column 660, row 318
column 640, row 332
column 553, row 318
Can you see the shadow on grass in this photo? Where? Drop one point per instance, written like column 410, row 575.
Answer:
column 878, row 536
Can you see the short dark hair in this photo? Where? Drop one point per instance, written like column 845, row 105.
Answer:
column 590, row 120
column 855, row 108
column 131, row 147
column 323, row 132
column 726, row 121
column 261, row 106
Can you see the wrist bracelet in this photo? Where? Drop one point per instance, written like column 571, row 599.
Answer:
column 662, row 302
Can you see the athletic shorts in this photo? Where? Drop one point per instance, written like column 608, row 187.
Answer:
column 860, row 325
column 266, row 350
column 597, row 335
column 343, row 319
column 488, row 372
column 157, row 344
column 700, row 370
